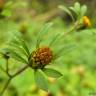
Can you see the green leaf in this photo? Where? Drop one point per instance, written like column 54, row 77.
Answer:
column 72, row 8
column 20, row 4
column 9, row 4
column 6, row 12
column 67, row 11
column 25, row 47
column 20, row 45
column 52, row 73
column 77, row 7
column 41, row 80
column 64, row 50
column 16, row 56
column 45, row 28
column 7, row 9
column 42, row 32
column 55, row 38
column 83, row 10
column 23, row 44
column 18, row 48
column 15, row 41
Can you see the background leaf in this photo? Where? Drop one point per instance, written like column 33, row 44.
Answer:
column 42, row 32
column 77, row 7
column 83, row 10
column 67, row 11
column 6, row 13
column 73, row 9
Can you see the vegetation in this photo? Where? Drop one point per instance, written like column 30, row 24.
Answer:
column 44, row 55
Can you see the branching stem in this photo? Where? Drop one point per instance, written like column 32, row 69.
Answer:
column 11, row 77
column 5, row 87
column 72, row 29
column 7, row 66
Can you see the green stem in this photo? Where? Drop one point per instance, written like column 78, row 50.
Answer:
column 5, row 87
column 2, row 69
column 72, row 29
column 7, row 67
column 20, row 71
column 11, row 77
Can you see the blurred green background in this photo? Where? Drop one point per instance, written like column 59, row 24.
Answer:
column 78, row 66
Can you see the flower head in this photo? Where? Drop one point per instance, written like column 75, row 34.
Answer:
column 41, row 57
column 86, row 21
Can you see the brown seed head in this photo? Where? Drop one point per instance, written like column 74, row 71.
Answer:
column 41, row 57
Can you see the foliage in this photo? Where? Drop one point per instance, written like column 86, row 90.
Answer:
column 71, row 72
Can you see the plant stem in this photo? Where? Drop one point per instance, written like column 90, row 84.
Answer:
column 13, row 76
column 7, row 67
column 2, row 69
column 72, row 29
column 5, row 87
column 20, row 71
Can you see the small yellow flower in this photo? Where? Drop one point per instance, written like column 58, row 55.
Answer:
column 86, row 21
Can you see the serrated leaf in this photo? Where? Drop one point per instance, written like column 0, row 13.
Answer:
column 83, row 10
column 40, row 80
column 67, row 11
column 52, row 73
column 42, row 32
column 16, row 56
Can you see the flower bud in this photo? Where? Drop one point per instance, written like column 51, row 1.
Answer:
column 86, row 21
